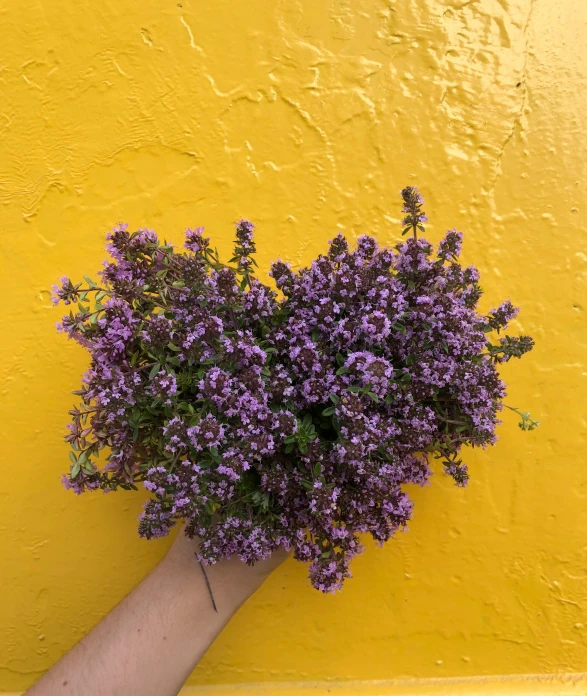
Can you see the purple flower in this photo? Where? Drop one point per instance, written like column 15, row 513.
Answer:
column 450, row 246
column 244, row 246
column 499, row 318
column 65, row 292
column 413, row 202
column 195, row 241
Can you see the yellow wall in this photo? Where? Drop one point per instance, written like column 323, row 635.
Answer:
column 306, row 116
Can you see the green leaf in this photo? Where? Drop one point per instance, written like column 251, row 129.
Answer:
column 154, row 370
column 101, row 295
column 354, row 389
column 73, row 457
column 328, row 411
column 75, row 469
column 172, row 346
column 342, row 370
column 339, row 358
column 373, row 396
column 334, row 398
column 90, row 282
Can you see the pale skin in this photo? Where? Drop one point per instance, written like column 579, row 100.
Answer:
column 150, row 643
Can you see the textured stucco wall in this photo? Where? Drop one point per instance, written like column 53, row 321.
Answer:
column 306, row 116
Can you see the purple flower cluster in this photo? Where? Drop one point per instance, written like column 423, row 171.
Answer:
column 289, row 417
column 415, row 217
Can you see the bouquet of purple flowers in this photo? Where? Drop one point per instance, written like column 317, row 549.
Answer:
column 287, row 416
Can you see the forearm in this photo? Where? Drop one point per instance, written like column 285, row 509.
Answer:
column 150, row 643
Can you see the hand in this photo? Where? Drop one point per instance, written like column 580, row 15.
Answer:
column 228, row 575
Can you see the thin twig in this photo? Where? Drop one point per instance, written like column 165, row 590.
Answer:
column 208, row 586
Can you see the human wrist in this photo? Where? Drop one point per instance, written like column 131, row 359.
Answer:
column 230, row 580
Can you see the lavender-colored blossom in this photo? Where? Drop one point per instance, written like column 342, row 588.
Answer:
column 63, row 292
column 450, row 246
column 413, row 202
column 244, row 246
column 195, row 240
column 499, row 318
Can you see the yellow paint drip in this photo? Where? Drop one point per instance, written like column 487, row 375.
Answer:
column 307, row 117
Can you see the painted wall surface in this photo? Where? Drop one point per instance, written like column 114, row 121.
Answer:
column 306, row 116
